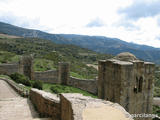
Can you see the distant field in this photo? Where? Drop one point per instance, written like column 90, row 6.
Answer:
column 43, row 65
column 8, row 57
column 92, row 65
column 8, row 36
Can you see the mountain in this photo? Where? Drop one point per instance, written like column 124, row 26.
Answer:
column 99, row 44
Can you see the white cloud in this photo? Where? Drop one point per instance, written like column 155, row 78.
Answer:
column 95, row 23
column 73, row 16
column 141, row 8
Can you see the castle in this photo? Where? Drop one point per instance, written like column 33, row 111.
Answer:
column 123, row 79
column 127, row 81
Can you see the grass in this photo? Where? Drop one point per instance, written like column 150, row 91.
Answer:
column 76, row 75
column 156, row 92
column 43, row 64
column 8, row 57
column 28, row 87
column 5, row 76
column 48, row 87
column 15, row 58
column 156, row 110
column 57, row 88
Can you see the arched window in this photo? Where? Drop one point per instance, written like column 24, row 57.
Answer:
column 139, row 85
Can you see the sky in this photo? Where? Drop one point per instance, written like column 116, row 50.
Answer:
column 136, row 21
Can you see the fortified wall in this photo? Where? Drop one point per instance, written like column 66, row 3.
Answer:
column 9, row 68
column 74, row 106
column 61, row 75
column 123, row 79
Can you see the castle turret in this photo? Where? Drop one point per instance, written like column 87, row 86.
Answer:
column 128, row 81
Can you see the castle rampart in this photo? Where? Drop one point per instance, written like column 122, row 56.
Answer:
column 76, row 107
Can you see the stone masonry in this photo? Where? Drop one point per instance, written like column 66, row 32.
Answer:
column 26, row 66
column 63, row 72
column 127, row 81
column 75, row 106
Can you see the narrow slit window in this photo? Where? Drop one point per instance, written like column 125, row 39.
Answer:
column 140, row 84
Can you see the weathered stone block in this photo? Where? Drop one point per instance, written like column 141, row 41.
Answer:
column 47, row 104
column 79, row 107
column 63, row 72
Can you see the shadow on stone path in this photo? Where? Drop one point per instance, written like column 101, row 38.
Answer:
column 14, row 107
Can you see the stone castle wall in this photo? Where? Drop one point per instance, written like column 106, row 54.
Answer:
column 8, row 69
column 126, row 81
column 50, row 76
column 84, row 84
column 76, row 107
column 61, row 75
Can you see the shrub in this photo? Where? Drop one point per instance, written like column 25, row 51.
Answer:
column 38, row 84
column 56, row 88
column 26, row 82
column 19, row 78
column 156, row 110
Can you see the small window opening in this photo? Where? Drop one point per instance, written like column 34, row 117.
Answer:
column 140, row 86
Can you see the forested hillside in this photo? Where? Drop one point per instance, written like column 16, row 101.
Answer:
column 96, row 43
column 47, row 54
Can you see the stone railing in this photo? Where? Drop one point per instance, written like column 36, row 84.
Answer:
column 47, row 104
column 76, row 107
column 18, row 87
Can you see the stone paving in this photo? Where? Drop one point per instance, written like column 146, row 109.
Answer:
column 14, row 107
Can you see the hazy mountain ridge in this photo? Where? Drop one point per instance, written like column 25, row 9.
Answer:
column 97, row 43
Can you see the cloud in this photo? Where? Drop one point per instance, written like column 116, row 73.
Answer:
column 157, row 37
column 98, row 17
column 141, row 9
column 8, row 17
column 128, row 25
column 95, row 23
column 22, row 21
column 5, row 1
column 158, row 20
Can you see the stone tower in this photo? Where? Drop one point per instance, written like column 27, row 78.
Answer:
column 127, row 81
column 26, row 66
column 63, row 74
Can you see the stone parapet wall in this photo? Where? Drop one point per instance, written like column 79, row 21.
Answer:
column 47, row 104
column 19, row 88
column 50, row 76
column 8, row 69
column 76, row 107
column 84, row 84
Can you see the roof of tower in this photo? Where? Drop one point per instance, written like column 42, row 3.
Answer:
column 126, row 56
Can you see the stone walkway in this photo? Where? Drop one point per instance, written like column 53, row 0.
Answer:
column 14, row 107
